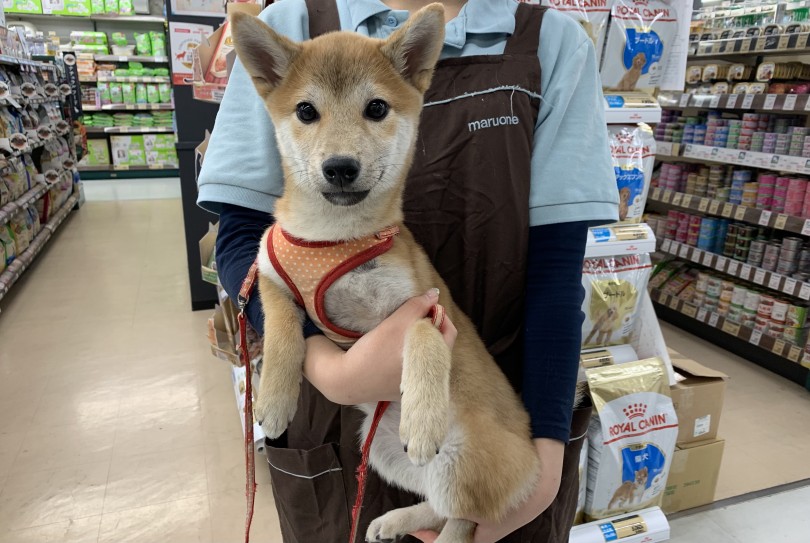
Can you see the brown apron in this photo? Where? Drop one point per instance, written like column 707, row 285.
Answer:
column 467, row 203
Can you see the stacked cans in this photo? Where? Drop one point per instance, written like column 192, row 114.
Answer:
column 795, row 197
column 693, row 234
column 766, row 184
column 788, row 262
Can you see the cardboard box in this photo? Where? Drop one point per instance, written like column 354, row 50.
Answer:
column 22, row 6
column 128, row 150
column 207, row 246
column 693, row 476
column 698, row 400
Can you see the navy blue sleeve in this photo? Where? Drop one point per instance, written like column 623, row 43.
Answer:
column 553, row 338
column 240, row 230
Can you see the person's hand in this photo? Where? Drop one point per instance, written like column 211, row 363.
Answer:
column 548, row 484
column 371, row 370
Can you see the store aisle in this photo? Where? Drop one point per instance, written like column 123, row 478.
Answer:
column 116, row 423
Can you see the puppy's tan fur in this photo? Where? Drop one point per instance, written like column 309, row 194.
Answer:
column 458, row 404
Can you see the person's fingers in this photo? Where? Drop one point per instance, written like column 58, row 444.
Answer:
column 426, row 536
column 449, row 332
column 418, row 306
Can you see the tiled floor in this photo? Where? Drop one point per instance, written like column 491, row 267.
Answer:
column 117, row 425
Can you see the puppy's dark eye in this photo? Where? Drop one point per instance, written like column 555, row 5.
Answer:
column 376, row 110
column 306, row 112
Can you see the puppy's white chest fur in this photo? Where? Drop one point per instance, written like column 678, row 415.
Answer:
column 365, row 296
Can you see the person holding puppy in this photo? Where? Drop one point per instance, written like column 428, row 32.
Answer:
column 512, row 166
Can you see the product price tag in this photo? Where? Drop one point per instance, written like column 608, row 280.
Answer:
column 761, row 41
column 784, row 40
column 665, row 246
column 778, row 347
column 731, row 102
column 790, row 102
column 714, row 101
column 727, row 210
column 703, row 204
column 667, row 196
column 713, row 207
column 794, row 353
column 707, row 259
column 656, row 195
column 756, row 335
column 739, row 213
column 695, row 256
column 759, row 276
column 123, row 59
column 721, row 263
column 781, row 221
column 804, row 292
column 731, row 328
column 770, row 100
column 746, row 45
column 684, row 101
column 806, row 227
column 676, row 198
column 701, row 315
column 733, row 266
column 774, row 281
column 686, row 201
column 748, row 99
column 713, row 319
column 684, row 251
column 673, row 303
column 764, row 218
column 745, row 272
column 790, row 286
column 689, row 310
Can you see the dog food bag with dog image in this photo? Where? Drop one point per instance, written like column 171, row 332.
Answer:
column 631, row 437
column 632, row 149
column 613, row 288
column 639, row 42
column 592, row 15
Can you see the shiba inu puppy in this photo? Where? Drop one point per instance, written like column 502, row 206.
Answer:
column 346, row 111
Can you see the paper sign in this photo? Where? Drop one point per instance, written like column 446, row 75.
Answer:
column 713, row 207
column 731, row 103
column 781, row 221
column 684, row 101
column 686, row 201
column 713, row 319
column 778, row 347
column 745, row 272
column 731, row 328
column 727, row 210
column 665, row 246
column 676, row 199
column 794, row 353
column 790, row 286
column 764, row 218
column 774, row 281
column 707, row 259
column 701, row 315
column 804, row 293
column 739, row 213
column 770, row 100
column 703, row 205
column 748, row 99
column 759, row 276
column 756, row 335
column 733, row 266
column 714, row 101
column 790, row 102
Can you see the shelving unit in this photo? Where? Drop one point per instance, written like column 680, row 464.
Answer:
column 719, row 155
column 101, row 18
column 771, row 103
column 131, row 58
column 129, row 130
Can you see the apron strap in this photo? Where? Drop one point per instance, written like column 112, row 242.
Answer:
column 323, row 17
column 526, row 38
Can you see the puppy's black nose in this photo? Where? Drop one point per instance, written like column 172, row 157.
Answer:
column 341, row 170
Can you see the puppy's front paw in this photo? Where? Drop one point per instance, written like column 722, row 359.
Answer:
column 422, row 432
column 274, row 410
column 386, row 528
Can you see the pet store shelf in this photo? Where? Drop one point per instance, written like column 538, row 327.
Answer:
column 126, row 79
column 761, row 217
column 131, row 58
column 129, row 129
column 14, row 270
column 777, row 355
column 8, row 210
column 780, row 44
column 778, row 103
column 130, row 107
column 632, row 115
column 619, row 240
column 6, row 59
column 735, row 268
column 690, row 152
column 145, row 19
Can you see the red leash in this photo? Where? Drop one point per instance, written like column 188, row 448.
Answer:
column 244, row 353
column 437, row 314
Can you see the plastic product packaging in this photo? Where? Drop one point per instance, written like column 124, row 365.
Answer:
column 143, row 44
column 140, row 93
column 116, row 96
column 128, row 93
column 613, row 289
column 607, row 356
column 632, row 149
column 152, row 94
column 104, row 93
column 165, row 93
column 158, row 43
column 119, row 39
column 631, row 437
column 111, row 6
column 125, row 7
column 640, row 38
column 579, row 518
column 7, row 243
column 592, row 15
column 96, row 7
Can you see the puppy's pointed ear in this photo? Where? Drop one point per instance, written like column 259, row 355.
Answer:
column 265, row 54
column 414, row 49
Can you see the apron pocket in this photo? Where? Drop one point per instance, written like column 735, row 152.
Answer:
column 309, row 494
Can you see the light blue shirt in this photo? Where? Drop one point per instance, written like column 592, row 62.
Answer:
column 572, row 175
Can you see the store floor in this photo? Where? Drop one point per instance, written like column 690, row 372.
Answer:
column 117, row 425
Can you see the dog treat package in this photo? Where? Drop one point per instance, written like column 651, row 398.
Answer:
column 639, row 41
column 631, row 437
column 632, row 149
column 613, row 288
column 592, row 15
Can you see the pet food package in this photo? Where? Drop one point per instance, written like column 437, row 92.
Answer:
column 579, row 517
column 631, row 437
column 613, row 289
column 607, row 356
column 640, row 39
column 632, row 150
column 592, row 15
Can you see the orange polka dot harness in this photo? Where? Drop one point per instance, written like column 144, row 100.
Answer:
column 309, row 268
